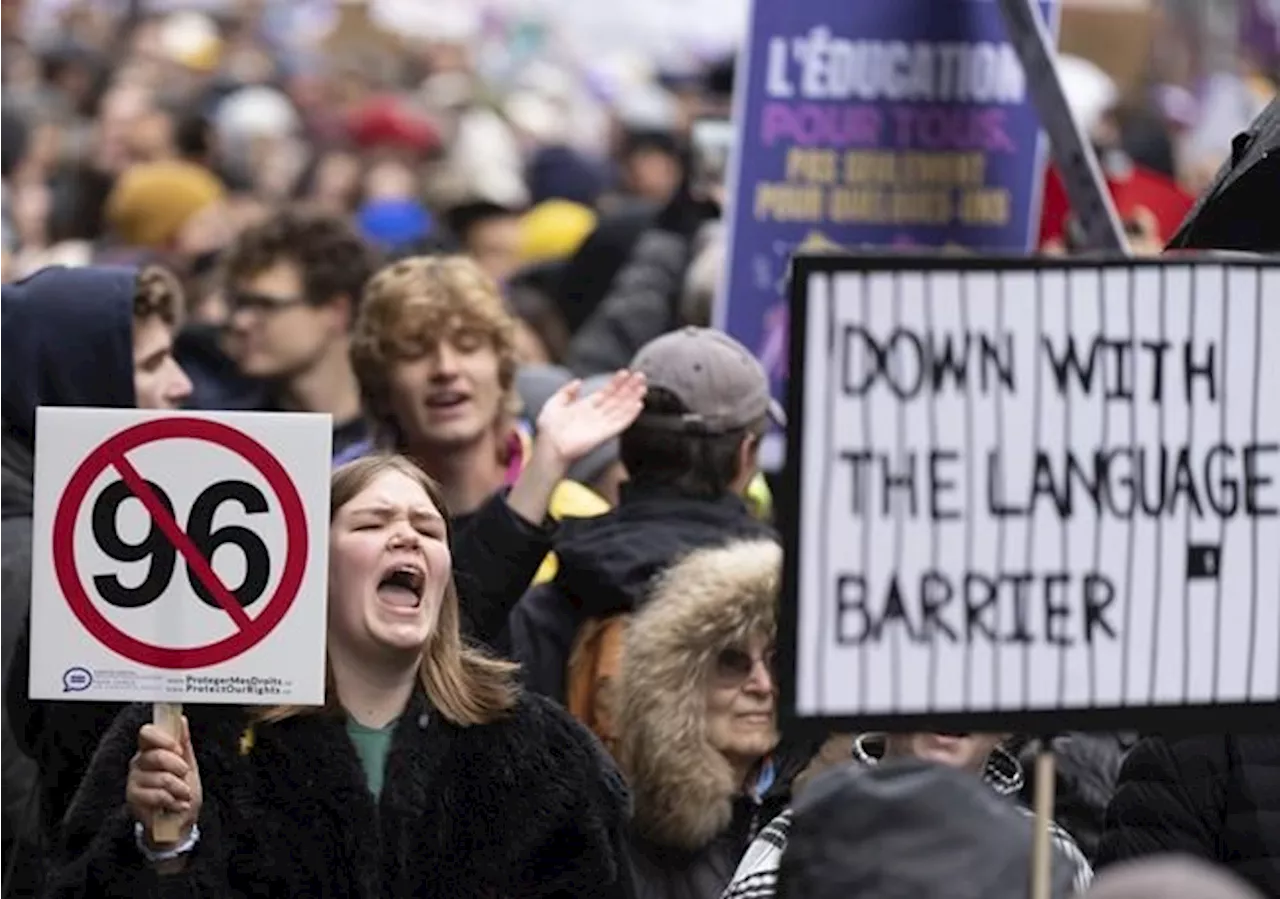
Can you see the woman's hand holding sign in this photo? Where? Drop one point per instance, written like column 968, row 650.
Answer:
column 164, row 780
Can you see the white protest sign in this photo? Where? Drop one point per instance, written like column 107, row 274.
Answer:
column 180, row 557
column 1030, row 487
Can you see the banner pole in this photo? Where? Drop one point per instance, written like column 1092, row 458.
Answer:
column 1077, row 164
column 1042, row 849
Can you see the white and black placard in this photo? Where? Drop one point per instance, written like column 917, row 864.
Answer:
column 180, row 556
column 1033, row 494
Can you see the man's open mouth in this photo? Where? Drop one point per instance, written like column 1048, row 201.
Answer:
column 446, row 399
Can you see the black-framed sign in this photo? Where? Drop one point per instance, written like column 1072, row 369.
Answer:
column 1032, row 495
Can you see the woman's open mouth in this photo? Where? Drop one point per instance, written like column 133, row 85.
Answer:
column 401, row 586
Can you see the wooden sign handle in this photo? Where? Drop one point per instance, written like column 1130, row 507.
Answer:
column 1042, row 849
column 166, row 827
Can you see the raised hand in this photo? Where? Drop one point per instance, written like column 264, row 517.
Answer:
column 570, row 425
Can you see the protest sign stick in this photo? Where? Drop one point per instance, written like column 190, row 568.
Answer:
column 1081, row 175
column 1042, row 849
column 166, row 827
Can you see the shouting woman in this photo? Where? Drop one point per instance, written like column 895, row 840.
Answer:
column 427, row 773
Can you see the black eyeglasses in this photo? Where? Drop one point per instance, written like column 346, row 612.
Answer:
column 260, row 303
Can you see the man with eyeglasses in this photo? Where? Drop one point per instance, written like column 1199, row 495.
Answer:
column 293, row 284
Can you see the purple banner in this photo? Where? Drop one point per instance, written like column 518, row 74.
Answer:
column 897, row 123
column 1260, row 31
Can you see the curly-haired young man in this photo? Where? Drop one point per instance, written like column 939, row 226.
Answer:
column 293, row 285
column 434, row 349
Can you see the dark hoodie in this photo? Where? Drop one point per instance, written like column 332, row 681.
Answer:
column 67, row 339
column 607, row 565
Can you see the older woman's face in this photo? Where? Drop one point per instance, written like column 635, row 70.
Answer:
column 742, row 702
column 389, row 565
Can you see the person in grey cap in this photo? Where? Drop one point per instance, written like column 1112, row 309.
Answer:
column 690, row 456
column 718, row 386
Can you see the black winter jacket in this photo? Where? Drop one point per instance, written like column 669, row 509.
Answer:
column 1216, row 797
column 22, row 829
column 640, row 305
column 608, row 565
column 1087, row 765
column 529, row 806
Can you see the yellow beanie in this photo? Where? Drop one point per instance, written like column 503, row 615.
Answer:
column 554, row 229
column 152, row 201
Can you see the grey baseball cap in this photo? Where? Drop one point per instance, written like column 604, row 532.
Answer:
column 721, row 384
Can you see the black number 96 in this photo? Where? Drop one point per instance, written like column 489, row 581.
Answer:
column 163, row 555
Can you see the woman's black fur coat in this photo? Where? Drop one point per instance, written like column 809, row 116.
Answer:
column 530, row 806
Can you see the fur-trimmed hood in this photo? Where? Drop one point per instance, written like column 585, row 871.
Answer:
column 683, row 789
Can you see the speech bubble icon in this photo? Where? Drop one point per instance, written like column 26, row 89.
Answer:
column 75, row 680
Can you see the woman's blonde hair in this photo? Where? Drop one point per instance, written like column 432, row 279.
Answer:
column 463, row 684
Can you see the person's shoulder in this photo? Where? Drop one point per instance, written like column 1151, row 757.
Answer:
column 357, row 449
column 757, row 874
column 571, row 499
column 546, row 739
column 541, row 757
column 543, row 596
column 540, row 723
column 1178, row 756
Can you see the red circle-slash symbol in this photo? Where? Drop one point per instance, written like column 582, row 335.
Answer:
column 249, row 631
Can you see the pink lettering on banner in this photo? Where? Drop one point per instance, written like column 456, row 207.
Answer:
column 948, row 128
column 810, row 124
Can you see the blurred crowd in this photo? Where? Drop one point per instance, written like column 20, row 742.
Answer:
column 478, row 246
column 130, row 136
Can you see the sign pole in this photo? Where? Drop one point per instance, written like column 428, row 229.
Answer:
column 1042, row 849
column 1081, row 174
column 250, row 484
column 1100, row 224
column 166, row 827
